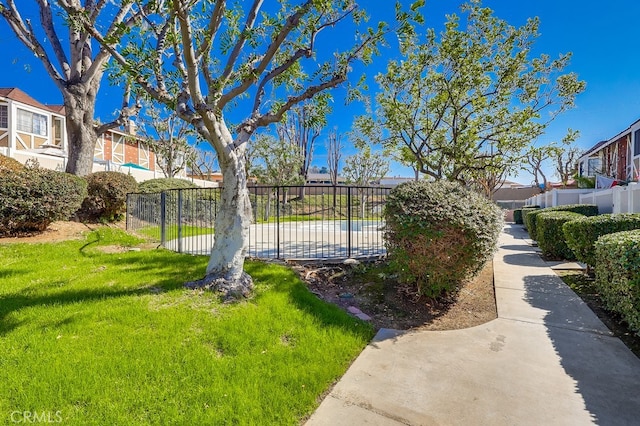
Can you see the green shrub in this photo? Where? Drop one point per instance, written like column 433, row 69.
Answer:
column 582, row 234
column 107, row 196
column 517, row 214
column 164, row 184
column 525, row 211
column 530, row 218
column 32, row 198
column 438, row 233
column 8, row 164
column 618, row 274
column 530, row 222
column 550, row 236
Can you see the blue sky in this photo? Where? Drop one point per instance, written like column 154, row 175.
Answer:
column 603, row 37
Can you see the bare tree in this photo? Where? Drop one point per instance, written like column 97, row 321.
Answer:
column 334, row 154
column 534, row 160
column 204, row 163
column 204, row 60
column 166, row 135
column 302, row 128
column 567, row 163
column 75, row 68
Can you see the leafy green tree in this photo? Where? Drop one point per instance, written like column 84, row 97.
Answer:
column 363, row 169
column 279, row 161
column 73, row 63
column 209, row 59
column 278, row 164
column 469, row 99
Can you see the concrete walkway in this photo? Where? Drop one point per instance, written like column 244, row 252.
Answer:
column 546, row 360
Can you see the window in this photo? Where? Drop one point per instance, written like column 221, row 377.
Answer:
column 4, row 116
column 31, row 122
column 594, row 166
column 636, row 142
column 57, row 131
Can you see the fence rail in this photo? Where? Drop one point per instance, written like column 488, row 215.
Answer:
column 288, row 222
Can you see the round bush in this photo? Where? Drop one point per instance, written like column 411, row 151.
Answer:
column 550, row 236
column 439, row 233
column 107, row 196
column 582, row 234
column 32, row 198
column 164, row 184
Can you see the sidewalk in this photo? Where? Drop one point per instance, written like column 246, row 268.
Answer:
column 546, row 360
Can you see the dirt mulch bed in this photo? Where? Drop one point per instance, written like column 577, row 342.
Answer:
column 366, row 288
column 56, row 232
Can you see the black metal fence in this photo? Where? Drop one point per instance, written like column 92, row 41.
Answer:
column 289, row 222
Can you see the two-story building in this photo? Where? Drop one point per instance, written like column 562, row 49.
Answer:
column 616, row 158
column 32, row 130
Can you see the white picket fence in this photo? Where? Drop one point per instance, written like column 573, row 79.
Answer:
column 619, row 199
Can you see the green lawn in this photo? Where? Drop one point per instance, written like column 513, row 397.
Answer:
column 114, row 338
column 171, row 231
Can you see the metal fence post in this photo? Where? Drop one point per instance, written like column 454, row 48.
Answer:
column 277, row 222
column 163, row 218
column 129, row 208
column 349, row 221
column 179, row 220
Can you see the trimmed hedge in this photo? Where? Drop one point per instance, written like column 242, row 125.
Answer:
column 525, row 211
column 618, row 274
column 518, row 216
column 531, row 217
column 438, row 233
column 550, row 236
column 107, row 196
column 32, row 198
column 582, row 234
column 164, row 184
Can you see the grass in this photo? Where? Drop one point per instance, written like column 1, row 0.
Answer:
column 115, row 339
column 171, row 231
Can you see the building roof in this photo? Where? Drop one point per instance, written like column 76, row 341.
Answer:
column 18, row 95
column 515, row 194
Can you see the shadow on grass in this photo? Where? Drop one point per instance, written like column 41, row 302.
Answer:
column 144, row 272
column 15, row 302
column 287, row 282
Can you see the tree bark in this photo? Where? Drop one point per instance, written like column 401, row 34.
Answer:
column 225, row 273
column 79, row 100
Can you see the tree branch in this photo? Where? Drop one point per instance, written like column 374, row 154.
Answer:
column 29, row 39
column 291, row 23
column 126, row 112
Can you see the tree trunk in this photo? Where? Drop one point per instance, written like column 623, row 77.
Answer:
column 267, row 208
column 335, row 197
column 79, row 100
column 225, row 273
